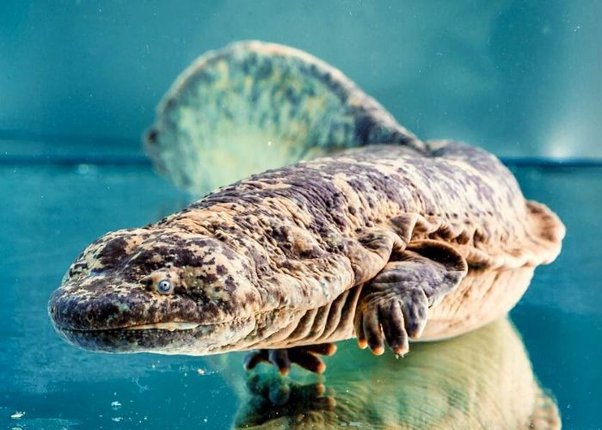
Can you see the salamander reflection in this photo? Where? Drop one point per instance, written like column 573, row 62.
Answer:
column 481, row 380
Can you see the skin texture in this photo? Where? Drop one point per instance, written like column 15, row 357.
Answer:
column 292, row 256
column 391, row 240
column 255, row 106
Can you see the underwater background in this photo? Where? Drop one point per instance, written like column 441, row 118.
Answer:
column 79, row 82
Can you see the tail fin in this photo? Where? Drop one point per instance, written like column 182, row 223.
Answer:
column 253, row 106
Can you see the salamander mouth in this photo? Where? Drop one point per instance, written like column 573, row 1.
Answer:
column 169, row 326
column 173, row 337
column 163, row 326
column 134, row 339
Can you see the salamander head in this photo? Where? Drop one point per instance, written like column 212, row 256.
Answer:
column 158, row 290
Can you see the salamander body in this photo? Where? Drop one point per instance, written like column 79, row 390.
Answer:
column 390, row 240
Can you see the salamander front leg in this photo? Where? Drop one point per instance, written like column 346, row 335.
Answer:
column 307, row 357
column 393, row 307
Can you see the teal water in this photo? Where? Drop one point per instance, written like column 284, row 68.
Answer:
column 79, row 81
column 515, row 77
column 51, row 211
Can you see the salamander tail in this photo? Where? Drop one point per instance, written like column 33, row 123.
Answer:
column 254, row 106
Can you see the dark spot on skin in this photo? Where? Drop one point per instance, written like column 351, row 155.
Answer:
column 230, row 284
column 280, row 233
column 185, row 257
column 364, row 127
column 171, row 103
column 207, row 278
column 310, row 253
column 113, row 252
column 78, row 267
column 151, row 136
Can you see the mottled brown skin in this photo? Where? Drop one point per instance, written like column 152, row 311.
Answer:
column 383, row 243
column 213, row 125
column 402, row 240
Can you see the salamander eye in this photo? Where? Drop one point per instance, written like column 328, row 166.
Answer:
column 164, row 286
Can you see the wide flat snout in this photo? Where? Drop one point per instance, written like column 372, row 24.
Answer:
column 188, row 340
column 99, row 316
column 89, row 308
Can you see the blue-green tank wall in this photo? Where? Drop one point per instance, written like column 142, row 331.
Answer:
column 516, row 77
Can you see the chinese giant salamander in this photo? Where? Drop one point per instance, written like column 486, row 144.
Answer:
column 390, row 240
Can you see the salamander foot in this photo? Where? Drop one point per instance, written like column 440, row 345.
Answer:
column 307, row 357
